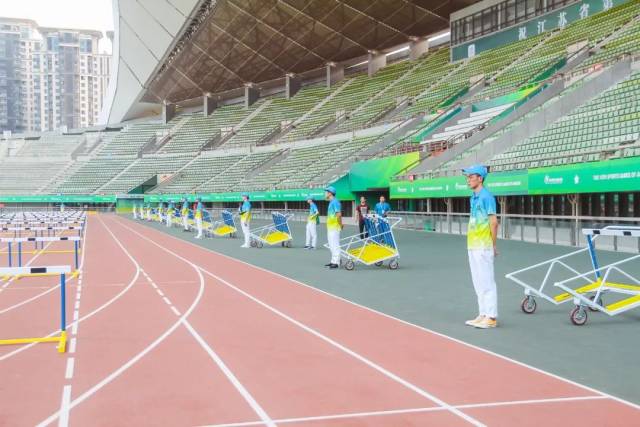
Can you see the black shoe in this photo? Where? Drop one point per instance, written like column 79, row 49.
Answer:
column 333, row 266
column 328, row 265
column 306, row 247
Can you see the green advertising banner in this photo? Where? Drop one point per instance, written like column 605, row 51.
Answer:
column 500, row 184
column 377, row 173
column 260, row 196
column 559, row 18
column 596, row 177
column 69, row 198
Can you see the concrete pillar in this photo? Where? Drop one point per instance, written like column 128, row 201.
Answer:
column 375, row 62
column 209, row 104
column 335, row 73
column 251, row 95
column 417, row 48
column 168, row 111
column 292, row 85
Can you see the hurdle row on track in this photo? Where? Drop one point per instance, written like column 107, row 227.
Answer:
column 20, row 240
column 59, row 270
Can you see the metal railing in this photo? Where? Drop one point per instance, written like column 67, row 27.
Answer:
column 556, row 230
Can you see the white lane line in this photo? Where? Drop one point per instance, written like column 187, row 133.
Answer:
column 407, row 384
column 77, row 305
column 166, row 300
column 408, row 411
column 72, row 346
column 175, row 310
column 149, row 348
column 407, row 323
column 70, row 365
column 64, row 405
column 76, row 314
column 159, row 292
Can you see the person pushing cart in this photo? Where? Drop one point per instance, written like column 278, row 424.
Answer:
column 198, row 217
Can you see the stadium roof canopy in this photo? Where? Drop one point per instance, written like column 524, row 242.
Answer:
column 211, row 46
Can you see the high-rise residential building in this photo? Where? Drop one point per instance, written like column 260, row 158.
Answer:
column 50, row 78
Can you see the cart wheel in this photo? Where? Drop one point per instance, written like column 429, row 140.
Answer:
column 529, row 304
column 393, row 265
column 288, row 243
column 579, row 316
column 349, row 265
column 282, row 244
column 379, row 264
column 599, row 302
column 258, row 244
column 253, row 244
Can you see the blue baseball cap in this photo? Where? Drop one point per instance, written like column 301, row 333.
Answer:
column 331, row 190
column 476, row 170
column 245, row 194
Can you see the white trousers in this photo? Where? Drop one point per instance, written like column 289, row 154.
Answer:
column 149, row 215
column 484, row 283
column 169, row 219
column 185, row 222
column 333, row 239
column 312, row 234
column 135, row 213
column 245, row 231
column 199, row 227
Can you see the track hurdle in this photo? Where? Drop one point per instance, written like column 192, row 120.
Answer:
column 20, row 240
column 61, row 270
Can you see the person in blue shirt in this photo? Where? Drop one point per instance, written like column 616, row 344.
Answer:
column 482, row 236
column 382, row 207
column 245, row 219
column 312, row 221
column 199, row 211
column 135, row 211
column 334, row 226
column 184, row 214
column 170, row 213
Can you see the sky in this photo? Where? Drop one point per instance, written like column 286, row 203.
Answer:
column 82, row 14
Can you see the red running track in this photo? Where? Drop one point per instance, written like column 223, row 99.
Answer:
column 170, row 333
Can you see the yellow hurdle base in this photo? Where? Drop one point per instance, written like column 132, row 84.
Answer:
column 60, row 339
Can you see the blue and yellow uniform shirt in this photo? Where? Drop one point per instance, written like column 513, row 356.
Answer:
column 170, row 208
column 382, row 208
column 198, row 213
column 483, row 205
column 313, row 213
column 332, row 218
column 185, row 208
column 245, row 211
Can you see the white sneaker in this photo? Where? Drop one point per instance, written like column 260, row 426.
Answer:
column 245, row 246
column 475, row 321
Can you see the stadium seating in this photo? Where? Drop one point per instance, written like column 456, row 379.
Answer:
column 200, row 170
column 20, row 177
column 231, row 177
column 601, row 128
column 144, row 169
column 93, row 174
column 48, row 146
column 131, row 140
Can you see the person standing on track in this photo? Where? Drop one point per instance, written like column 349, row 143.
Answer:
column 382, row 207
column 312, row 221
column 361, row 212
column 170, row 213
column 135, row 211
column 198, row 216
column 245, row 219
column 160, row 212
column 184, row 213
column 334, row 226
column 482, row 236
